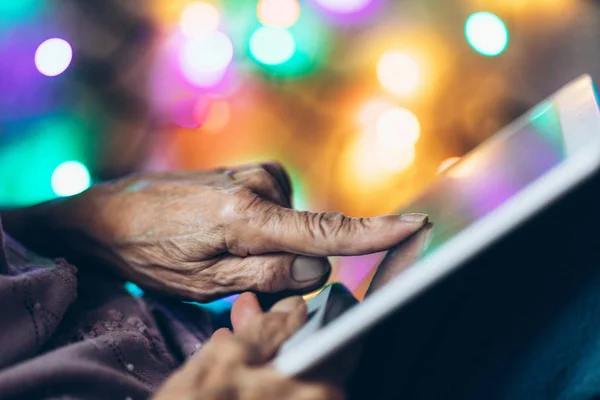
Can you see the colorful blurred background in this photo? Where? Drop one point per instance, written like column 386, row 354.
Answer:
column 364, row 101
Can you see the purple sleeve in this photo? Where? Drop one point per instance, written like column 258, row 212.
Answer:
column 34, row 298
column 78, row 335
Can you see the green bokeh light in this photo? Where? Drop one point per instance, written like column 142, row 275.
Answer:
column 486, row 33
column 17, row 11
column 311, row 38
column 29, row 160
column 134, row 289
column 272, row 45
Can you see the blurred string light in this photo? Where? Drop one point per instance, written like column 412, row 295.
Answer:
column 395, row 161
column 272, row 45
column 281, row 13
column 198, row 19
column 447, row 163
column 134, row 289
column 70, row 178
column 486, row 33
column 204, row 60
column 397, row 129
column 387, row 145
column 216, row 117
column 344, row 6
column 372, row 165
column 289, row 52
column 399, row 73
column 370, row 112
column 189, row 112
column 47, row 142
column 15, row 11
column 53, row 56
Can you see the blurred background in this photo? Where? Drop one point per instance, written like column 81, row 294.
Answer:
column 364, row 101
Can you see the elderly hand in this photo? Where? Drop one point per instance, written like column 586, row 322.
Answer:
column 203, row 235
column 234, row 366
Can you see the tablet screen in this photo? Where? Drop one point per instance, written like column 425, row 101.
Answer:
column 477, row 185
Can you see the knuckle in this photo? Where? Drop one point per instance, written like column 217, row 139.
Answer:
column 329, row 223
column 244, row 201
column 267, row 184
column 264, row 176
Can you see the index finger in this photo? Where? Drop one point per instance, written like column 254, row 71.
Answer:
column 271, row 228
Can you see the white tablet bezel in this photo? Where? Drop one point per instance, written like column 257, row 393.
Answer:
column 580, row 121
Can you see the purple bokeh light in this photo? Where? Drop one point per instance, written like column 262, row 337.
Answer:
column 351, row 12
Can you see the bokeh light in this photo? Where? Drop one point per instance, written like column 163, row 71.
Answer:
column 199, row 18
column 397, row 129
column 447, row 163
column 217, row 116
column 399, row 73
column 281, row 13
column 395, row 161
column 344, row 6
column 388, row 141
column 53, row 56
column 13, row 12
column 370, row 112
column 272, row 45
column 486, row 33
column 204, row 60
column 70, row 178
column 371, row 164
column 134, row 289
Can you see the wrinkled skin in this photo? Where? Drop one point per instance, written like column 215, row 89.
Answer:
column 204, row 235
column 234, row 366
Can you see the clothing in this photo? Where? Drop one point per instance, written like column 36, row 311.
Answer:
column 76, row 334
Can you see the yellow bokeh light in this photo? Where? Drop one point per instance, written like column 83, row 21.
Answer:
column 370, row 112
column 447, row 163
column 399, row 73
column 372, row 164
column 395, row 160
column 535, row 6
column 199, row 18
column 397, row 129
column 281, row 13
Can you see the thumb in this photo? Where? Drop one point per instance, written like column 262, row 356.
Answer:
column 265, row 333
column 271, row 228
column 274, row 273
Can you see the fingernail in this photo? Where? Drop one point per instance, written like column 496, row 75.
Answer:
column 415, row 218
column 306, row 269
column 287, row 305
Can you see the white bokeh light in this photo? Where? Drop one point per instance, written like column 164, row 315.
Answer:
column 53, row 56
column 399, row 73
column 204, row 60
column 397, row 128
column 199, row 18
column 70, row 178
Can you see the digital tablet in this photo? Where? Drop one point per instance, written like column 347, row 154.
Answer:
column 487, row 194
